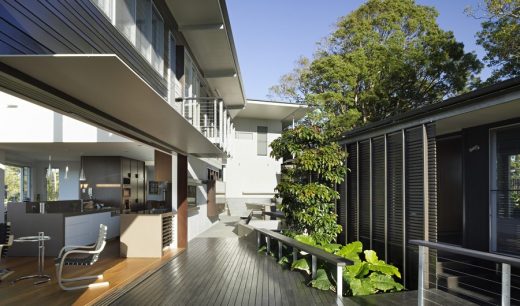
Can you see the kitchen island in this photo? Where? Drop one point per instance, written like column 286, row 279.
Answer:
column 64, row 228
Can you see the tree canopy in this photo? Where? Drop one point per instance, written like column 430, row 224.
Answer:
column 384, row 58
column 500, row 37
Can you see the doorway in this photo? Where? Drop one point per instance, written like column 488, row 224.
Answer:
column 450, row 191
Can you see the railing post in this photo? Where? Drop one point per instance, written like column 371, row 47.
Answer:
column 314, row 266
column 268, row 243
column 420, row 286
column 220, row 121
column 280, row 248
column 258, row 239
column 339, row 281
column 506, row 284
column 294, row 254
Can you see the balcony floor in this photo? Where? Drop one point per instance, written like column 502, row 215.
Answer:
column 220, row 269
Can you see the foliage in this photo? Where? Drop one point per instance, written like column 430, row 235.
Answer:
column 12, row 181
column 301, row 264
column 284, row 261
column 322, row 280
column 500, row 36
column 368, row 276
column 384, row 58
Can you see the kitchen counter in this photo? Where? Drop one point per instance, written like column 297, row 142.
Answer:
column 65, row 228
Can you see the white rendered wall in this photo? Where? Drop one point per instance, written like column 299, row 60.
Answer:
column 198, row 220
column 249, row 177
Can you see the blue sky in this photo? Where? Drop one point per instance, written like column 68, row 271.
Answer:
column 270, row 35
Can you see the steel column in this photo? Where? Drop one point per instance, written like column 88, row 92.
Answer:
column 506, row 284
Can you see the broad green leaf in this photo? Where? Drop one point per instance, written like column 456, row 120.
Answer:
column 305, row 239
column 371, row 256
column 301, row 264
column 321, row 281
column 357, row 270
column 262, row 249
column 283, row 261
column 332, row 247
column 362, row 287
column 385, row 268
column 384, row 282
column 351, row 251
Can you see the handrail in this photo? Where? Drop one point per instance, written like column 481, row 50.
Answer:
column 506, row 262
column 513, row 261
column 315, row 252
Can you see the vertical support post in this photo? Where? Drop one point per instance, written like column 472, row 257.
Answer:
column 403, row 144
column 386, row 195
column 41, row 254
column 314, row 267
column 280, row 249
column 426, row 201
column 214, row 124
column 294, row 254
column 357, row 191
column 506, row 284
column 220, row 121
column 420, row 287
column 258, row 240
column 268, row 243
column 339, row 281
column 370, row 190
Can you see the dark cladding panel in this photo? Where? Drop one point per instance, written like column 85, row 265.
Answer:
column 352, row 193
column 395, row 199
column 341, row 207
column 364, row 193
column 378, row 196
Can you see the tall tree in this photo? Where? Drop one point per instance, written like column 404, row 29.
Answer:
column 500, row 36
column 384, row 58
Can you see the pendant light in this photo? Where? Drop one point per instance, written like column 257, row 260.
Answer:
column 66, row 172
column 49, row 168
column 81, row 172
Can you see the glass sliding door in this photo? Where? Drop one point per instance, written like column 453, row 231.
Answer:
column 505, row 190
column 157, row 41
column 17, row 183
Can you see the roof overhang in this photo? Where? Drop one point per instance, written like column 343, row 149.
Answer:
column 272, row 110
column 495, row 103
column 103, row 90
column 205, row 26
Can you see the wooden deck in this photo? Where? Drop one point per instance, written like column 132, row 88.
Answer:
column 229, row 271
column 120, row 272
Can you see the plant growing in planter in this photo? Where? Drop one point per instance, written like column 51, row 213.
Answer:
column 368, row 275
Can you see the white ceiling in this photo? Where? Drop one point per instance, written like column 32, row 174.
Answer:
column 213, row 48
column 34, row 152
column 272, row 110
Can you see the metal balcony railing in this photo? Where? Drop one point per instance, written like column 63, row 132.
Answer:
column 209, row 116
column 505, row 272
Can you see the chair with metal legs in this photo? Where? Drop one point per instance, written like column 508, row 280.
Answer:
column 92, row 255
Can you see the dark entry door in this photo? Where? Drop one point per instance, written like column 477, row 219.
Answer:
column 450, row 205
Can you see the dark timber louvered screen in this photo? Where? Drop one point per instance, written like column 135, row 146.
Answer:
column 414, row 198
column 395, row 199
column 352, row 194
column 432, row 200
column 364, row 193
column 378, row 196
column 341, row 207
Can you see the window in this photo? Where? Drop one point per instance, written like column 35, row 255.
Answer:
column 157, row 41
column 188, row 76
column 52, row 183
column 172, row 78
column 261, row 140
column 17, row 184
column 144, row 27
column 125, row 18
column 106, row 6
column 505, row 190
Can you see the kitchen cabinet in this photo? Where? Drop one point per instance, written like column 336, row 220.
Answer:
column 115, row 181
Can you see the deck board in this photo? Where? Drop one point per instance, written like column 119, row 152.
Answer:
column 229, row 271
